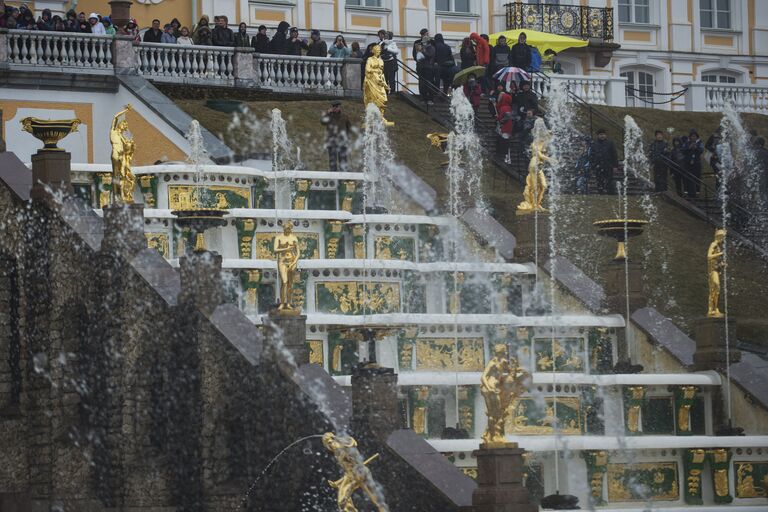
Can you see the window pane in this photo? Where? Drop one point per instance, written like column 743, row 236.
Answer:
column 353, row 2
column 624, row 13
column 723, row 20
column 373, row 3
column 708, row 78
column 642, row 14
column 706, row 19
column 706, row 5
column 723, row 5
column 461, row 5
column 443, row 5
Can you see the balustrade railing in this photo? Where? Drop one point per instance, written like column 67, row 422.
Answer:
column 32, row 48
column 289, row 72
column 579, row 21
column 594, row 90
column 168, row 62
column 712, row 97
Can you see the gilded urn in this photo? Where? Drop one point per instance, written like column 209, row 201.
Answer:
column 620, row 230
column 50, row 131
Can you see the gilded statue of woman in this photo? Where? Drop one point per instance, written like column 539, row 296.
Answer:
column 375, row 87
column 715, row 264
column 123, row 148
column 500, row 383
column 536, row 181
column 286, row 249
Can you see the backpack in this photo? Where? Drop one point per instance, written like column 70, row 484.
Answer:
column 535, row 59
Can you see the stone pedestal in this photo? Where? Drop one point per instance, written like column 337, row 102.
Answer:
column 243, row 66
column 201, row 283
column 529, row 229
column 710, row 354
column 374, row 402
column 50, row 171
column 500, row 481
column 615, row 302
column 293, row 329
column 124, row 229
column 120, row 12
column 352, row 75
column 123, row 56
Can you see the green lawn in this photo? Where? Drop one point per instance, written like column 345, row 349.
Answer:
column 673, row 250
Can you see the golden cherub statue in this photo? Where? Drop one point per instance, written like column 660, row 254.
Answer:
column 286, row 248
column 715, row 264
column 123, row 148
column 356, row 473
column 375, row 86
column 501, row 383
column 536, row 181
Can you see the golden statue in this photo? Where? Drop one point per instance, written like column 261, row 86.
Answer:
column 356, row 473
column 501, row 383
column 123, row 149
column 715, row 264
column 536, row 181
column 286, row 248
column 375, row 86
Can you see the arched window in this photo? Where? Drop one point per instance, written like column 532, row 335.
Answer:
column 640, row 87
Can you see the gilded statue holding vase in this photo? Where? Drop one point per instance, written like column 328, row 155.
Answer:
column 123, row 148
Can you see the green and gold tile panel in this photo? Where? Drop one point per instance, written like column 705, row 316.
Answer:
column 643, row 482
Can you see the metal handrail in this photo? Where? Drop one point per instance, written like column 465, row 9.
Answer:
column 410, row 71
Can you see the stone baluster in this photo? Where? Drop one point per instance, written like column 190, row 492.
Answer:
column 107, row 54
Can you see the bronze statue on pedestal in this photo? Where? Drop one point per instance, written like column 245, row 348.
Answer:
column 536, row 181
column 286, row 248
column 501, row 383
column 715, row 265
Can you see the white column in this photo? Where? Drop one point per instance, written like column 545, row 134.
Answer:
column 695, row 98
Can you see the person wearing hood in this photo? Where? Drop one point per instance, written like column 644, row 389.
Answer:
column 279, row 43
column 260, row 42
column 153, row 34
column 520, row 55
column 45, row 22
column 316, row 46
column 467, row 54
column 242, row 39
column 473, row 91
column 71, row 21
column 176, row 24
column 222, row 35
column 131, row 29
column 482, row 49
column 109, row 28
column 203, row 22
column 204, row 37
column 97, row 28
column 445, row 62
column 505, row 119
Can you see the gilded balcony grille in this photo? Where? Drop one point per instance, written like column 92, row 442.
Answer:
column 567, row 20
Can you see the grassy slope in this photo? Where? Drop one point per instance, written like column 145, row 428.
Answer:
column 674, row 249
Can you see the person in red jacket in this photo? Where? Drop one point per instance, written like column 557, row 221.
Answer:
column 482, row 49
column 473, row 92
column 506, row 124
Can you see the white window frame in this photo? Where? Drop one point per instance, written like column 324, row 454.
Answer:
column 362, row 4
column 635, row 98
column 452, row 8
column 722, row 76
column 715, row 11
column 633, row 12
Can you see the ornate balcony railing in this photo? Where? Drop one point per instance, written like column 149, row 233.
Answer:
column 60, row 50
column 283, row 72
column 567, row 20
column 169, row 62
column 594, row 90
column 713, row 97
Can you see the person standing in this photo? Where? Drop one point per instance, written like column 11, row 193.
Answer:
column 445, row 62
column 279, row 43
column 520, row 55
column 337, row 129
column 694, row 151
column 424, row 54
column 184, row 38
column 316, row 46
column 678, row 156
column 222, row 35
column 389, row 56
column 242, row 39
column 339, row 49
column 167, row 36
column 658, row 153
column 97, row 28
column 499, row 55
column 153, row 34
column 604, row 161
column 714, row 156
column 467, row 54
column 260, row 42
column 295, row 44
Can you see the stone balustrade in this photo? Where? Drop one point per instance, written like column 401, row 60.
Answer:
column 712, row 97
column 595, row 90
column 215, row 65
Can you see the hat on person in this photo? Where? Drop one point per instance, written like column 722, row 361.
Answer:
column 132, row 21
column 295, row 29
column 314, row 32
column 692, row 131
column 167, row 26
column 423, row 31
column 106, row 19
column 93, row 15
column 336, row 103
column 262, row 27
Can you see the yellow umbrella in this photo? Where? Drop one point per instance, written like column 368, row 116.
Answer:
column 541, row 40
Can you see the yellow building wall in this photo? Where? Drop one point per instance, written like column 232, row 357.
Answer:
column 164, row 11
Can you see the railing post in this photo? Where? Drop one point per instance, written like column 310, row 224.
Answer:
column 615, row 93
column 352, row 76
column 124, row 56
column 5, row 56
column 243, row 68
column 696, row 97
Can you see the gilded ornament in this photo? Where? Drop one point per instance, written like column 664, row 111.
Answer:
column 536, row 181
column 715, row 265
column 375, row 86
column 219, row 197
column 501, row 383
column 745, row 480
column 49, row 131
column 721, row 482
column 356, row 475
column 420, row 420
column 648, row 481
column 286, row 247
column 123, row 148
column 315, row 352
column 158, row 241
